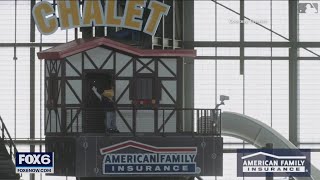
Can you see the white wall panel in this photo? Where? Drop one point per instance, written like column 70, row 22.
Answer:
column 171, row 64
column 145, row 61
column 127, row 114
column 76, row 85
column 171, row 87
column 120, row 87
column 99, row 55
column 121, row 61
column 145, row 121
column 309, row 101
column 76, row 62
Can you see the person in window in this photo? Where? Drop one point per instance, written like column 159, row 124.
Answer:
column 108, row 103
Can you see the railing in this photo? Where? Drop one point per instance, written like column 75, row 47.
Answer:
column 144, row 120
column 7, row 140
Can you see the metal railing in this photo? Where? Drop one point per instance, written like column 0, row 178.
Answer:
column 144, row 120
column 7, row 141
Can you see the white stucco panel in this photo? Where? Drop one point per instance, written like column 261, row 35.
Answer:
column 99, row 55
column 76, row 61
column 171, row 63
column 120, row 87
column 171, row 87
column 121, row 61
column 145, row 61
column 70, row 96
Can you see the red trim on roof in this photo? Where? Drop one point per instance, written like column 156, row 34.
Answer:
column 80, row 45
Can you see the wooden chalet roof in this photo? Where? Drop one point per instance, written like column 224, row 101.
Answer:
column 74, row 47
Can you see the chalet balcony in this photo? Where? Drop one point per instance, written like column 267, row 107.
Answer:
column 138, row 122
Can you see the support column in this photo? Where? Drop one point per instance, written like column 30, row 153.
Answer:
column 188, row 63
column 32, row 82
column 269, row 146
column 293, row 72
column 241, row 37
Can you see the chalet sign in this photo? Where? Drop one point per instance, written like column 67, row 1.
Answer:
column 95, row 14
column 151, row 160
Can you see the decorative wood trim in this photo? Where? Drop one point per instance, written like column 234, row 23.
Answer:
column 74, row 68
column 124, row 67
column 125, row 121
column 168, row 93
column 73, row 91
column 164, row 64
column 80, row 45
column 58, row 118
column 166, row 120
column 107, row 60
column 47, row 120
column 89, row 58
column 145, row 65
column 76, row 116
column 123, row 92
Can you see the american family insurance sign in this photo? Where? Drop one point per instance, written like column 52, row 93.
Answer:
column 154, row 160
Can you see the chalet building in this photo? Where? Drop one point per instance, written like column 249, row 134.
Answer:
column 148, row 99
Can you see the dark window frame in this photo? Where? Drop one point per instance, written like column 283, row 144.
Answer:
column 53, row 90
column 156, row 93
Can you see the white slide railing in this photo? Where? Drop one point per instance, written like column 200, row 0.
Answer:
column 258, row 134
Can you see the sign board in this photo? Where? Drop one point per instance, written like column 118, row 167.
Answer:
column 156, row 160
column 94, row 13
column 34, row 162
column 273, row 162
column 145, row 156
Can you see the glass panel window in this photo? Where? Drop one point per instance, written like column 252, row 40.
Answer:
column 258, row 90
column 259, row 13
column 204, row 20
column 309, row 101
column 228, row 26
column 204, row 83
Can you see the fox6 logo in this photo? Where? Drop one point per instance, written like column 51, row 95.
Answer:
column 33, row 162
column 34, row 158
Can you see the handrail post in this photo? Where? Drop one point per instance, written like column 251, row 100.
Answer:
column 155, row 120
column 134, row 127
column 215, row 123
column 163, row 122
column 197, row 119
column 219, row 122
column 192, row 122
column 205, row 122
column 211, row 119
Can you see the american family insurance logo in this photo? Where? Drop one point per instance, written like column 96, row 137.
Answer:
column 273, row 162
column 131, row 157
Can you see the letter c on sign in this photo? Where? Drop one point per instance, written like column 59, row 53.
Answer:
column 46, row 25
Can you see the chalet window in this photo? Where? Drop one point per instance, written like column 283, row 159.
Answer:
column 144, row 88
column 53, row 91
